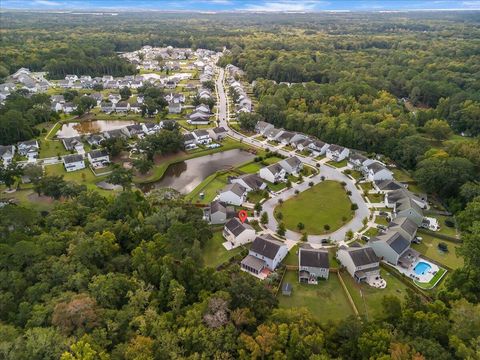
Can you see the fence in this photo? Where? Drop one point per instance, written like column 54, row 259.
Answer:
column 440, row 236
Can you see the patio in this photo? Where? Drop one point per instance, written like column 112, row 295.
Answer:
column 417, row 268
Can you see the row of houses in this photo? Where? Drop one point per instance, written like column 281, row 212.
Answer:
column 203, row 137
column 243, row 103
column 97, row 158
column 28, row 149
column 200, row 115
column 23, row 78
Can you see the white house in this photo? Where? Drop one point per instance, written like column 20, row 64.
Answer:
column 150, row 128
column 389, row 246
column 218, row 133
column 238, row 233
column 29, row 149
column 262, row 127
column 265, row 252
column 73, row 162
column 312, row 264
column 73, row 144
column 233, row 194
column 317, row 147
column 377, row 171
column 174, row 108
column 337, row 153
column 7, row 153
column 356, row 160
column 202, row 137
column 98, row 158
column 122, row 106
column 273, row 173
column 292, row 165
column 361, row 262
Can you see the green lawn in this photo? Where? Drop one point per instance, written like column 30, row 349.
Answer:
column 292, row 257
column 51, row 148
column 371, row 232
column 28, row 198
column 339, row 164
column 324, row 203
column 251, row 168
column 255, row 196
column 327, row 300
column 381, row 220
column 376, row 198
column 214, row 254
column 429, row 247
column 444, row 229
column 209, row 187
column 431, row 283
column 400, row 175
column 367, row 299
column 354, row 173
column 276, row 187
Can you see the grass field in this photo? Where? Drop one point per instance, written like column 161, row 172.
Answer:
column 376, row 198
column 214, row 254
column 292, row 257
column 429, row 247
column 367, row 299
column 431, row 283
column 325, row 203
column 209, row 187
column 327, row 300
column 51, row 148
column 339, row 164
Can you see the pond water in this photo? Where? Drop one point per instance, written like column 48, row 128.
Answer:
column 91, row 127
column 187, row 175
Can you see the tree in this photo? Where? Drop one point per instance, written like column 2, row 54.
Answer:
column 439, row 129
column 264, row 218
column 248, row 121
column 281, row 230
column 33, row 172
column 258, row 207
column 9, row 173
column 82, row 350
column 121, row 176
column 143, row 164
column 115, row 145
column 78, row 315
column 125, row 93
column 84, row 104
column 300, row 226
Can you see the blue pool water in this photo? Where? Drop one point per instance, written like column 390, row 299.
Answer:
column 421, row 268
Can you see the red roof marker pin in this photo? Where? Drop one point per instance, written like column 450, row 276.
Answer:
column 242, row 215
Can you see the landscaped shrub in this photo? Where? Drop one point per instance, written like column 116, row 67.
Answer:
column 326, row 227
column 443, row 247
column 310, row 183
column 322, row 178
column 279, row 215
column 449, row 223
column 349, row 193
column 343, row 183
column 354, row 207
column 297, row 192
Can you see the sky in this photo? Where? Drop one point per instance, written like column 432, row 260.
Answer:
column 245, row 5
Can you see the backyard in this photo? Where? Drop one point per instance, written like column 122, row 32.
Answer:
column 367, row 299
column 324, row 204
column 214, row 254
column 326, row 301
column 429, row 248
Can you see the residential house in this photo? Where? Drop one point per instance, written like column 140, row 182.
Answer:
column 406, row 227
column 384, row 186
column 107, row 107
column 175, row 98
column 238, row 233
column 94, row 139
column 392, row 197
column 218, row 213
column 134, row 130
column 303, row 144
column 116, row 133
column 356, row 160
column 273, row 173
column 218, row 133
column 168, row 124
column 265, row 253
column 318, row 147
column 234, row 194
column 114, row 98
column 136, row 107
column 29, row 149
column 150, row 128
column 312, row 265
column 7, row 152
column 408, row 208
column 389, row 246
column 296, row 139
column 337, row 153
column 73, row 144
column 69, row 107
column 262, row 127
column 273, row 134
column 377, row 171
column 98, row 158
column 202, row 137
column 251, row 182
column 174, row 108
column 122, row 106
column 189, row 141
column 292, row 165
column 203, row 109
column 98, row 97
column 361, row 262
column 285, row 137
column 198, row 118
column 73, row 162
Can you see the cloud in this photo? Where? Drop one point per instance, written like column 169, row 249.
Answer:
column 47, row 3
column 284, row 6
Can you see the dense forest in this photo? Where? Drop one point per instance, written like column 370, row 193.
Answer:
column 123, row 278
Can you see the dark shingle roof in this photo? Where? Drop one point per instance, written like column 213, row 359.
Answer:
column 68, row 159
column 376, row 167
column 394, row 239
column 217, row 206
column 266, row 247
column 405, row 224
column 98, row 153
column 314, row 258
column 237, row 189
column 236, row 227
column 388, row 185
column 363, row 256
column 219, row 130
column 252, row 180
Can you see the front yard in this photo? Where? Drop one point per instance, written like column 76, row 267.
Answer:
column 326, row 203
column 326, row 301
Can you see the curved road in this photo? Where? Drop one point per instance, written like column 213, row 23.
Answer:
column 324, row 170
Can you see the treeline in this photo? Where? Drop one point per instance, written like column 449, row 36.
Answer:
column 123, row 278
column 20, row 115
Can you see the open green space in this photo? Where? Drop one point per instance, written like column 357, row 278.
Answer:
column 432, row 283
column 324, row 204
column 375, row 198
column 339, row 164
column 25, row 196
column 326, row 301
column 209, row 187
column 51, row 148
column 214, row 254
column 367, row 299
column 429, row 248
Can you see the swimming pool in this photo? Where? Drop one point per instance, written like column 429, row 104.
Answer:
column 421, row 268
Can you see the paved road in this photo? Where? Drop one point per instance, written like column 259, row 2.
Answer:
column 324, row 170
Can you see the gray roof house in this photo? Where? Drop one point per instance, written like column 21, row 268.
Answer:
column 356, row 160
column 6, row 153
column 408, row 208
column 73, row 162
column 337, row 153
column 392, row 197
column 234, row 194
column 238, row 233
column 387, row 185
column 265, row 253
column 377, row 171
column 218, row 212
column 251, row 182
column 361, row 262
column 95, row 139
column 292, row 165
column 263, row 127
column 312, row 264
column 389, row 246
column 218, row 133
column 406, row 227
column 73, row 144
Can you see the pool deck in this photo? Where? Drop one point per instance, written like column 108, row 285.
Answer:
column 422, row 278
